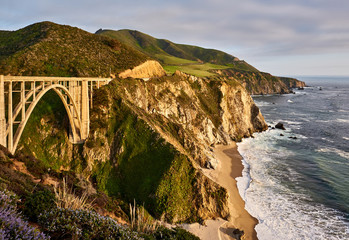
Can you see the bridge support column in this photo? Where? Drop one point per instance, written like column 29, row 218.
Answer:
column 85, row 113
column 2, row 113
column 10, row 118
column 23, row 99
column 72, row 90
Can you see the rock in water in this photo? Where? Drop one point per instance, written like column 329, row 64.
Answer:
column 280, row 125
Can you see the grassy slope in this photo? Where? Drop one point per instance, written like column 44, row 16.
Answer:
column 190, row 59
column 35, row 50
column 143, row 167
column 50, row 49
column 201, row 62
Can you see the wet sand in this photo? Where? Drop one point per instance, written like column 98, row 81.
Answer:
column 230, row 167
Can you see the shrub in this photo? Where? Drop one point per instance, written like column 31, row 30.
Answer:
column 63, row 223
column 38, row 202
column 12, row 226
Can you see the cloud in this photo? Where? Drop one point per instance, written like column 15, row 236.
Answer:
column 255, row 29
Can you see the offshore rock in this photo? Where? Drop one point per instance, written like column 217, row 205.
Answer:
column 280, row 125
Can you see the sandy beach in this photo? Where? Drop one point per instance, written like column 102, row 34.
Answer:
column 230, row 167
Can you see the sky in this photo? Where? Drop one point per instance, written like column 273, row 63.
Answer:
column 283, row 37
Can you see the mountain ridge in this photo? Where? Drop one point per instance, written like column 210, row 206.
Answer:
column 149, row 139
column 203, row 62
column 154, row 46
column 50, row 49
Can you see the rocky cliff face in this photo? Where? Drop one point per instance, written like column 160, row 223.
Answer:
column 148, row 69
column 292, row 82
column 149, row 139
column 193, row 113
column 133, row 151
column 257, row 83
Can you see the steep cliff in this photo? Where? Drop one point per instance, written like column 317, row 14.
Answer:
column 256, row 83
column 149, row 139
column 194, row 113
column 189, row 114
column 292, row 82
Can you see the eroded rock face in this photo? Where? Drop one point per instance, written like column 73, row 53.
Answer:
column 147, row 69
column 292, row 82
column 257, row 83
column 199, row 113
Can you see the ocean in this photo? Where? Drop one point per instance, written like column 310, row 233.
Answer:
column 297, row 185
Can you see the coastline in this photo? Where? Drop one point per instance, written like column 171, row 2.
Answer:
column 229, row 168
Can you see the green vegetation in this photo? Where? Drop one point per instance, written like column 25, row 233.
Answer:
column 50, row 49
column 61, row 223
column 143, row 164
column 12, row 180
column 210, row 100
column 172, row 60
column 199, row 70
column 175, row 192
column 201, row 62
column 49, row 114
column 37, row 203
column 161, row 47
column 57, row 223
column 12, row 224
column 189, row 59
column 124, row 158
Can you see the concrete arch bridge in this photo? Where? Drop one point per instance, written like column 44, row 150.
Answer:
column 19, row 95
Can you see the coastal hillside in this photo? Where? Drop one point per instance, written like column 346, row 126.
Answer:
column 152, row 132
column 149, row 140
column 202, row 62
column 168, row 52
column 50, row 49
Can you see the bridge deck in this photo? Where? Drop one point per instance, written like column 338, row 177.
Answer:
column 39, row 79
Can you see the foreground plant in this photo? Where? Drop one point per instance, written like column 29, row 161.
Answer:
column 12, row 226
column 141, row 222
column 66, row 198
column 63, row 223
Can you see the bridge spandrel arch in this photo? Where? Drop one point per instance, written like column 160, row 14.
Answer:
column 73, row 92
column 75, row 127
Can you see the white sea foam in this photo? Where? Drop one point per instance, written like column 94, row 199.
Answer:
column 327, row 140
column 292, row 122
column 282, row 214
column 290, row 101
column 343, row 120
column 323, row 121
column 341, row 153
column 346, row 138
column 261, row 103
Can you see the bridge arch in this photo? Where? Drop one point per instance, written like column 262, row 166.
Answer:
column 75, row 125
column 75, row 93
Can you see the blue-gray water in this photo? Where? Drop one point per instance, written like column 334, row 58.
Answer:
column 299, row 188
